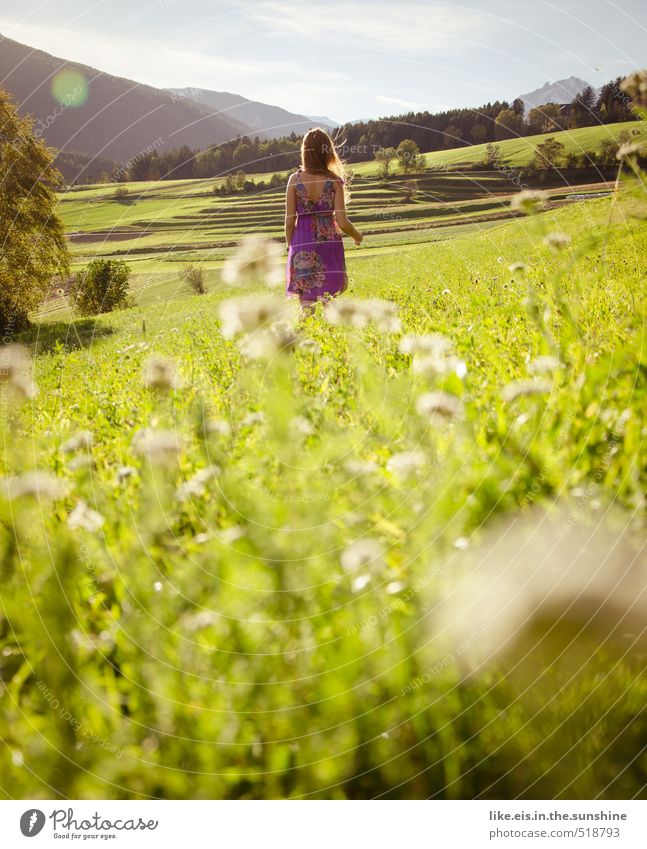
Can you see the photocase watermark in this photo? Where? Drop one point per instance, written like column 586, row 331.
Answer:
column 55, row 705
column 146, row 151
column 388, row 609
column 67, row 101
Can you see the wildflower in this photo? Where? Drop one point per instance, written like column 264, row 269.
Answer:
column 527, row 201
column 519, row 589
column 86, row 518
column 635, row 86
column 32, row 484
column 358, row 555
column 517, row 268
column 125, row 472
column 310, row 345
column 196, row 486
column 218, row 426
column 244, row 315
column 361, row 467
column 303, row 426
column 543, row 365
column 628, row 148
column 434, row 343
column 253, row 418
column 405, row 463
column 15, row 370
column 82, row 440
column 360, row 313
column 82, row 461
column 264, row 344
column 519, row 388
column 257, row 260
column 438, row 407
column 432, row 366
column 158, row 446
column 360, row 582
column 160, row 373
column 557, row 242
column 60, row 292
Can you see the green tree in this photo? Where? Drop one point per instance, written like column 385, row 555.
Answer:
column 102, row 287
column 479, row 133
column 453, row 136
column 384, row 156
column 410, row 159
column 32, row 241
column 548, row 154
column 492, row 155
column 545, row 119
column 583, row 108
column 508, row 124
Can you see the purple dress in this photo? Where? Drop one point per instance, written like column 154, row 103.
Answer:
column 316, row 268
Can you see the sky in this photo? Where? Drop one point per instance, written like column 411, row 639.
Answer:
column 346, row 60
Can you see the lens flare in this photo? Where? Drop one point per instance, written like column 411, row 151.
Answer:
column 70, row 88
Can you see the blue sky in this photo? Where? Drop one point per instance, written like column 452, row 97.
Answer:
column 352, row 59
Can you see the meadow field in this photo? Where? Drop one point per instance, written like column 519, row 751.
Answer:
column 241, row 563
column 160, row 227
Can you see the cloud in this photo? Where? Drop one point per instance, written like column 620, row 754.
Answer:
column 405, row 27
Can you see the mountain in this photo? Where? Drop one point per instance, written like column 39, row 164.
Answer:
column 260, row 119
column 562, row 91
column 323, row 122
column 81, row 109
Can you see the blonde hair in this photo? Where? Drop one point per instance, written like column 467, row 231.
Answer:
column 319, row 154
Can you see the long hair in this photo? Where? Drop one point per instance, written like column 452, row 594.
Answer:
column 319, row 154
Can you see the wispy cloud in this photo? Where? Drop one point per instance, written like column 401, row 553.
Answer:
column 409, row 104
column 401, row 27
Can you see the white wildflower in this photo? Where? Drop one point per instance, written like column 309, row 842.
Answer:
column 438, row 407
column 125, row 472
column 432, row 366
column 160, row 373
column 300, row 425
column 362, row 312
column 219, row 427
column 257, row 260
column 517, row 268
column 310, row 345
column 86, row 518
column 527, row 201
column 265, row 343
column 557, row 242
column 158, row 446
column 364, row 552
column 32, row 484
column 543, row 365
column 529, row 386
column 406, row 463
column 357, row 467
column 628, row 149
column 360, row 582
column 81, row 440
column 434, row 344
column 196, row 486
column 16, row 370
column 245, row 315
column 253, row 418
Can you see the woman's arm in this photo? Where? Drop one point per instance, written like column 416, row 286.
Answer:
column 342, row 218
column 290, row 210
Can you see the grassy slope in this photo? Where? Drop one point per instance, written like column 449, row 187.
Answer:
column 279, row 588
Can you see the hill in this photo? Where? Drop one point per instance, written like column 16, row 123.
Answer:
column 81, row 109
column 260, row 119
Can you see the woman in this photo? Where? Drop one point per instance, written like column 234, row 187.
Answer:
column 315, row 216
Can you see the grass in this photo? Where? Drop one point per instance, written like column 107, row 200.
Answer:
column 283, row 632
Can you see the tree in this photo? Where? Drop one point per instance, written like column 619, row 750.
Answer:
column 384, row 156
column 410, row 159
column 102, row 287
column 545, row 119
column 453, row 136
column 583, row 108
column 479, row 133
column 32, row 240
column 492, row 155
column 508, row 125
column 548, row 155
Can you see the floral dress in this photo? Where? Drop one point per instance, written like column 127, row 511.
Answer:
column 316, row 269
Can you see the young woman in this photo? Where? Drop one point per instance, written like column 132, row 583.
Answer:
column 315, row 216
